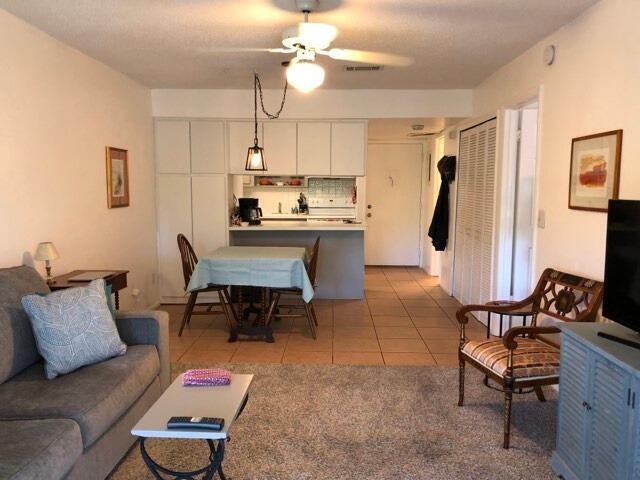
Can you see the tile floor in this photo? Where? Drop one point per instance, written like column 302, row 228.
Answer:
column 404, row 319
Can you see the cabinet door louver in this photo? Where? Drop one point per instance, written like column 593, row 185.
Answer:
column 572, row 416
column 636, row 434
column 610, row 415
column 473, row 251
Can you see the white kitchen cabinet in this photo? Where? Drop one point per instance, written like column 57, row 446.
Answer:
column 280, row 141
column 348, row 148
column 174, row 217
column 240, row 139
column 314, row 148
column 209, row 207
column 207, row 146
column 173, row 152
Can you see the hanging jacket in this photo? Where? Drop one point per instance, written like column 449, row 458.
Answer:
column 439, row 229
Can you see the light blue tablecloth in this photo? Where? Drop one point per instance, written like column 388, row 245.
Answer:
column 275, row 267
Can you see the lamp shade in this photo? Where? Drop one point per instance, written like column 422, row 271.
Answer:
column 46, row 251
column 255, row 159
column 305, row 75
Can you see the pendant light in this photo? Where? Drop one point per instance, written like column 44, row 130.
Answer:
column 255, row 153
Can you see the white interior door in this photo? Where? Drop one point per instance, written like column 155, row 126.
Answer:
column 394, row 182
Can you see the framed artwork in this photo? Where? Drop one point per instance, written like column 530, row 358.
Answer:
column 117, row 178
column 595, row 171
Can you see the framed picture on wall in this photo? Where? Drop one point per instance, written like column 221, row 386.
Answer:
column 117, row 178
column 595, row 170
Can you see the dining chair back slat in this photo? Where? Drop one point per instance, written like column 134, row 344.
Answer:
column 188, row 257
column 313, row 262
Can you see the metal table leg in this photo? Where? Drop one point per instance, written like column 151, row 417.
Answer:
column 215, row 464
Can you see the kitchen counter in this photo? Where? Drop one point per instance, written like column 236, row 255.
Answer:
column 313, row 225
column 340, row 271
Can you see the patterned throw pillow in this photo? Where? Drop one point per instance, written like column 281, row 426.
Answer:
column 73, row 328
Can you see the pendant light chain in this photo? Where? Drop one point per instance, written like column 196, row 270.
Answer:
column 270, row 116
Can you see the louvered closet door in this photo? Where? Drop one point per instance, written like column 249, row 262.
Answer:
column 473, row 251
column 610, row 419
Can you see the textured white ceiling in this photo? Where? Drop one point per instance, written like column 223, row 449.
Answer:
column 164, row 43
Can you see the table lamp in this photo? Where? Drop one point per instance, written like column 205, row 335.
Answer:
column 46, row 252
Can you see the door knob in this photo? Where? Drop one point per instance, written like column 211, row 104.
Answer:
column 369, row 206
column 368, row 215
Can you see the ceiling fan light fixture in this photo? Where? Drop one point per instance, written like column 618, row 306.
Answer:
column 317, row 36
column 305, row 75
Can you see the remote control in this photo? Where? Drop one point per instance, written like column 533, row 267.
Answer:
column 208, row 423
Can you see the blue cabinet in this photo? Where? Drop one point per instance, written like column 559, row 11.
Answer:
column 599, row 402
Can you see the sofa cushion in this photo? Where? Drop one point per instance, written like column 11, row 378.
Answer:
column 17, row 345
column 73, row 328
column 38, row 449
column 94, row 396
column 16, row 282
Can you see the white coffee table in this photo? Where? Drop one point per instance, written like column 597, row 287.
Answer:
column 225, row 402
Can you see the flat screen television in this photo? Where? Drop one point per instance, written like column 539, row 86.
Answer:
column 622, row 264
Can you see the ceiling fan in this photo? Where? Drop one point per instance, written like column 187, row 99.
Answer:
column 307, row 40
column 417, row 132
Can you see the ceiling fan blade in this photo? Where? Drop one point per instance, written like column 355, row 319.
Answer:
column 250, row 49
column 424, row 134
column 363, row 56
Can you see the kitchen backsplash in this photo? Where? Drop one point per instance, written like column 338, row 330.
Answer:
column 270, row 196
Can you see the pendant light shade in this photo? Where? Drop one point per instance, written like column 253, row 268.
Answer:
column 255, row 159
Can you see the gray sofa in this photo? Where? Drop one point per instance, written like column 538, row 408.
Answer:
column 76, row 426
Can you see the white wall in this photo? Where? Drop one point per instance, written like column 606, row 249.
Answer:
column 450, row 136
column 319, row 104
column 59, row 110
column 594, row 86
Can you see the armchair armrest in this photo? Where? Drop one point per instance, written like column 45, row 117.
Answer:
column 510, row 338
column 500, row 306
column 148, row 328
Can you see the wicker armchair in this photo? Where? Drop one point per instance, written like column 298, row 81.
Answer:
column 524, row 357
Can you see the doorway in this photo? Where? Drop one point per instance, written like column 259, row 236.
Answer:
column 394, row 193
column 526, row 140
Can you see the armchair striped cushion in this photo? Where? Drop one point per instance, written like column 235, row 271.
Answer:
column 532, row 358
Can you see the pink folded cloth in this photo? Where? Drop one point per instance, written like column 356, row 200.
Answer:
column 206, row 377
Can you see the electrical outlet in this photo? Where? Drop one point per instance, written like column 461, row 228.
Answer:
column 542, row 220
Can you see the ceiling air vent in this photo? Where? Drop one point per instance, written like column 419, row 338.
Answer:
column 362, row 68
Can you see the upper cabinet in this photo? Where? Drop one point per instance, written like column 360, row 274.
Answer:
column 348, row 148
column 173, row 152
column 280, row 139
column 184, row 146
column 290, row 148
column 314, row 148
column 207, row 146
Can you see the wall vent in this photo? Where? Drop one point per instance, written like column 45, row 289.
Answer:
column 362, row 68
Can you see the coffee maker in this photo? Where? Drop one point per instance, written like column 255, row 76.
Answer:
column 249, row 210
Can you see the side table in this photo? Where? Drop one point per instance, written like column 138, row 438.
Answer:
column 118, row 281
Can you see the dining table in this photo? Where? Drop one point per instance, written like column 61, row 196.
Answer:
column 254, row 266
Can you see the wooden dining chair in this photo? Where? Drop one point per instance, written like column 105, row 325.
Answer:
column 309, row 310
column 189, row 261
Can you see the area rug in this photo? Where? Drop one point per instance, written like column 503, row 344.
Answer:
column 362, row 422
